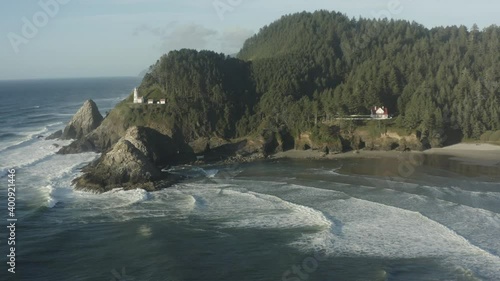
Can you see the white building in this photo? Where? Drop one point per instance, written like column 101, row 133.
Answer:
column 163, row 101
column 137, row 99
column 151, row 101
column 380, row 113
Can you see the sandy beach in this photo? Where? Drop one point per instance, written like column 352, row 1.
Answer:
column 482, row 154
column 315, row 154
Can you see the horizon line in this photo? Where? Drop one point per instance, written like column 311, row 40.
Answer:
column 66, row 78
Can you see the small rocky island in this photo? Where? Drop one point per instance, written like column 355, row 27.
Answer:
column 133, row 161
column 87, row 119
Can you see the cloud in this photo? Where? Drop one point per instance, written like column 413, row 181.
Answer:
column 177, row 36
column 160, row 31
column 232, row 39
column 191, row 36
column 174, row 36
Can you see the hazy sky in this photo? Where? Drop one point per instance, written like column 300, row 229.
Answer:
column 94, row 38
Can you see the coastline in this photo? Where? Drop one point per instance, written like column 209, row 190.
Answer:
column 474, row 153
column 480, row 154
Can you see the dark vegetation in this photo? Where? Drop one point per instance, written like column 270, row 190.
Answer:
column 306, row 69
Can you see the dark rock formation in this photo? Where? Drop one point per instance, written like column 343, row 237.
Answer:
column 123, row 166
column 385, row 143
column 55, row 135
column 131, row 163
column 204, row 145
column 270, row 142
column 158, row 148
column 78, row 146
column 201, row 145
column 87, row 119
column 276, row 140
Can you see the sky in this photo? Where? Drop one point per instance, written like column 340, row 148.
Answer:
column 109, row 38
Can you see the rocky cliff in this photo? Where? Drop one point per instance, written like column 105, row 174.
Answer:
column 124, row 116
column 87, row 119
column 131, row 163
column 135, row 140
column 158, row 148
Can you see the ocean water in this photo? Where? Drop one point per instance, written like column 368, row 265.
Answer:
column 410, row 218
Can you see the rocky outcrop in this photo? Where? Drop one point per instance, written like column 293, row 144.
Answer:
column 158, row 148
column 92, row 142
column 205, row 144
column 131, row 163
column 115, row 126
column 393, row 141
column 269, row 142
column 79, row 146
column 123, row 166
column 56, row 135
column 305, row 142
column 87, row 119
column 276, row 140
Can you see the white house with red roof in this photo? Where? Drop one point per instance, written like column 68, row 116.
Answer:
column 380, row 113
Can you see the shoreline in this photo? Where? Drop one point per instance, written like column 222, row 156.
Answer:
column 474, row 153
column 479, row 154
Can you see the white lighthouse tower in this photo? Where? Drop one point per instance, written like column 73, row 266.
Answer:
column 137, row 99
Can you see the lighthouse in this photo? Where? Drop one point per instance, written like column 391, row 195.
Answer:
column 137, row 99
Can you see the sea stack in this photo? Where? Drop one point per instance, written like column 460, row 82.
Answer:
column 123, row 166
column 87, row 119
column 131, row 163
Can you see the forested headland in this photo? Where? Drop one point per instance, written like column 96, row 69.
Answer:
column 302, row 72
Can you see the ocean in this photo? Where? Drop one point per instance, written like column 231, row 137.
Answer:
column 406, row 218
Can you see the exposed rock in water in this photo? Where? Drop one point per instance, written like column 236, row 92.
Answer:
column 87, row 119
column 56, row 135
column 123, row 166
column 78, row 146
column 131, row 163
column 116, row 125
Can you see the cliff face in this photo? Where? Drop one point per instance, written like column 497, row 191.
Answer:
column 87, row 119
column 123, row 166
column 131, row 163
column 103, row 137
column 158, row 148
column 124, row 116
column 135, row 140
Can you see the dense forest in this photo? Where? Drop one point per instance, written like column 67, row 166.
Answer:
column 308, row 68
column 207, row 92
